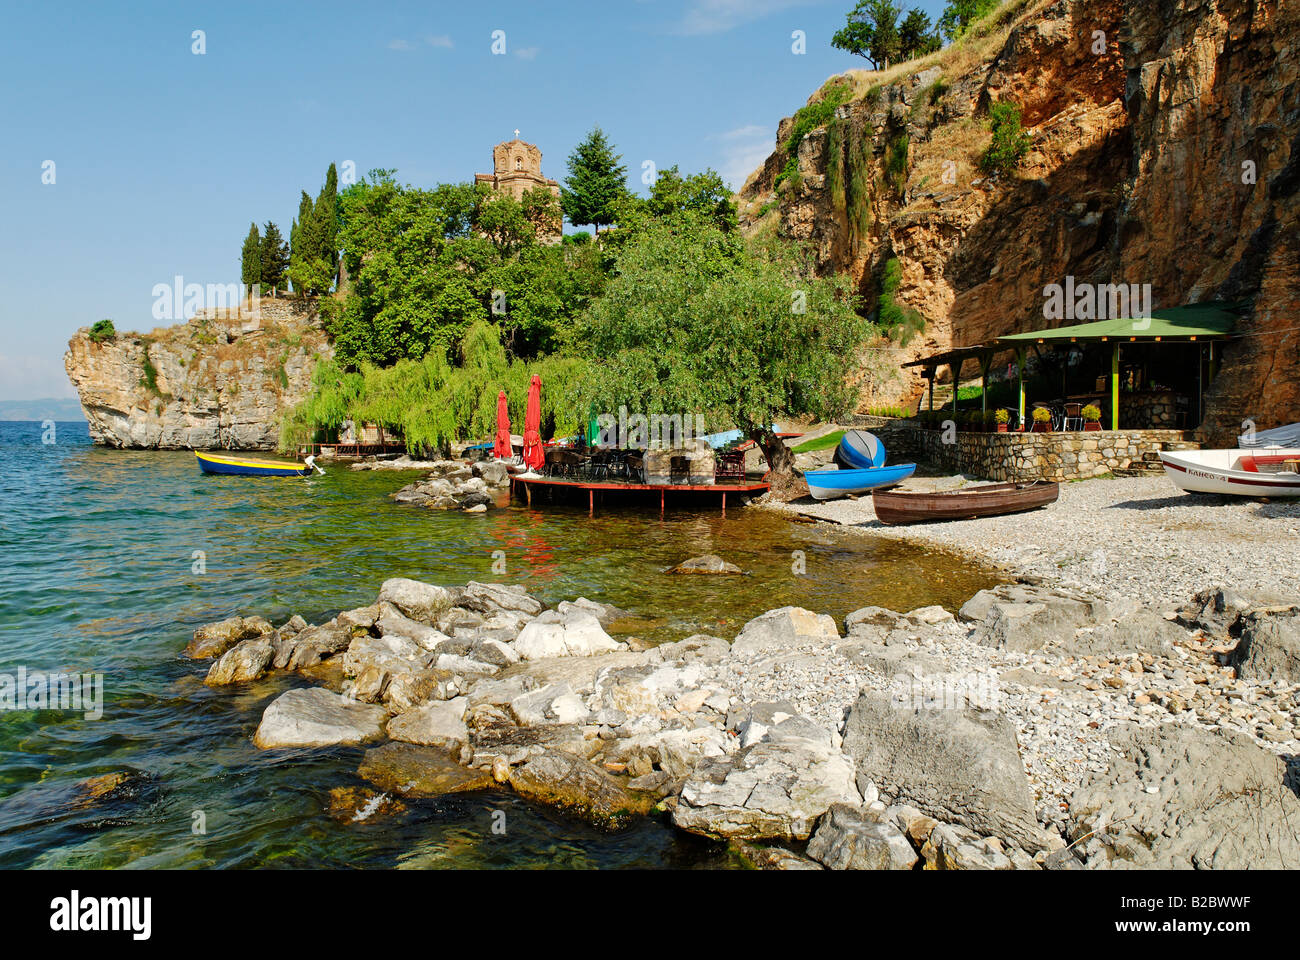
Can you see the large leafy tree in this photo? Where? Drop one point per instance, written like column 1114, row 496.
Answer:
column 250, row 262
column 274, row 256
column 871, row 32
column 596, row 182
column 696, row 322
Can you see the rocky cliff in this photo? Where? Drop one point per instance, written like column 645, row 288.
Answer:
column 1165, row 150
column 217, row 381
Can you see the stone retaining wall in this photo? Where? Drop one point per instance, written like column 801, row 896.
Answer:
column 1030, row 456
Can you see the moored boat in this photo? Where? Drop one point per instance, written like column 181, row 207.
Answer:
column 250, row 467
column 989, row 500
column 828, row 484
column 1254, row 472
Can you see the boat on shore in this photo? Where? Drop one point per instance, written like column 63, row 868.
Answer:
column 829, row 484
column 990, row 500
column 250, row 467
column 1254, row 472
column 861, row 450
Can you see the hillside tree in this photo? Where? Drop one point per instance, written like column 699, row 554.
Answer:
column 274, row 258
column 596, row 182
column 250, row 258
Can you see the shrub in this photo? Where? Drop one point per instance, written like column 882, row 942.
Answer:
column 1042, row 415
column 1092, row 413
column 102, row 330
column 807, row 119
column 1010, row 143
column 1003, row 415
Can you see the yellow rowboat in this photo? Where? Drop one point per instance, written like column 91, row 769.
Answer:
column 246, row 467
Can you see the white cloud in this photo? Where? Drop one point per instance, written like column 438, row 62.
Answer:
column 527, row 53
column 398, row 45
column 719, row 16
column 742, row 150
column 442, row 40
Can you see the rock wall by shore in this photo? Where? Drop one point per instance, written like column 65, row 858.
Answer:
column 1172, row 158
column 220, row 380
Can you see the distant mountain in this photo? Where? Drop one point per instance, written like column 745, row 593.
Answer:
column 49, row 409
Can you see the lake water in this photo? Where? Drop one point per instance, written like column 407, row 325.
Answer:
column 98, row 557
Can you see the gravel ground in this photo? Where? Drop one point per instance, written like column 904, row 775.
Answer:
column 1135, row 537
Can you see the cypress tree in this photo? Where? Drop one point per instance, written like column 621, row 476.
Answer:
column 595, row 182
column 327, row 218
column 250, row 258
column 275, row 256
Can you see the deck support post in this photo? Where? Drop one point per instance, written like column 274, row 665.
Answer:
column 661, row 501
column 1114, row 386
column 591, row 503
column 724, row 503
column 528, row 493
column 1020, row 367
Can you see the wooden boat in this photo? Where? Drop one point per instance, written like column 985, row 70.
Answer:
column 249, row 467
column 828, row 484
column 1254, row 472
column 990, row 500
column 860, row 450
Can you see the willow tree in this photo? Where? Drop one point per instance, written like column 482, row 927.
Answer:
column 697, row 322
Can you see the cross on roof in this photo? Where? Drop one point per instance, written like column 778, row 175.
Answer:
column 516, row 133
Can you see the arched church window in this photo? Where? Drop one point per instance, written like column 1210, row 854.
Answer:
column 519, row 163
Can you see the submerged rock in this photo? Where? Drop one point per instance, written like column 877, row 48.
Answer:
column 410, row 770
column 315, row 717
column 580, row 788
column 709, row 563
column 214, row 639
column 360, row 804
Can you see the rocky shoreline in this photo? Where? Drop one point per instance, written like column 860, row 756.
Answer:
column 1041, row 727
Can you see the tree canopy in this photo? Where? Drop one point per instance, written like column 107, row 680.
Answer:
column 273, row 257
column 873, row 31
column 958, row 16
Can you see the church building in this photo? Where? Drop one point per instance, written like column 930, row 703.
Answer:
column 517, row 168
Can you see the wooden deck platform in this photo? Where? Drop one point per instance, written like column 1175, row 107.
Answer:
column 554, row 488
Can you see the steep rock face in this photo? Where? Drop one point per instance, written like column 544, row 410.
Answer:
column 212, row 382
column 1141, row 114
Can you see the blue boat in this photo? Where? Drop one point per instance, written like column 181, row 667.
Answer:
column 829, row 484
column 861, row 450
column 246, row 467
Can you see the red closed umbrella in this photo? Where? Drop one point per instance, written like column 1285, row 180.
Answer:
column 534, row 457
column 501, row 448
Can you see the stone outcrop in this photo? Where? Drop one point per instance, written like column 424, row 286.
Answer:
column 1170, row 158
column 216, row 381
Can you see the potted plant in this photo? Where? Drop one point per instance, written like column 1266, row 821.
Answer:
column 1003, row 417
column 1092, row 417
column 1042, row 420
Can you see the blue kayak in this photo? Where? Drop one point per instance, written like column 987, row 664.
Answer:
column 828, row 484
column 861, row 450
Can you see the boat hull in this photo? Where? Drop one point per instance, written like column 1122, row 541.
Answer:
column 244, row 467
column 992, row 500
column 828, row 484
column 1218, row 471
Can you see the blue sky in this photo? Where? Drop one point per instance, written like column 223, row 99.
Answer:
column 162, row 157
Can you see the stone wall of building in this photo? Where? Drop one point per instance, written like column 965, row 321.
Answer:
column 1030, row 456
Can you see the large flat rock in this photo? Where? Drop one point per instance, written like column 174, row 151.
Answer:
column 316, row 717
column 411, row 770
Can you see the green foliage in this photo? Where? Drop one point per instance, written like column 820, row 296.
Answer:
column 149, row 375
column 596, row 182
column 1002, row 415
column 959, row 15
column 1091, row 413
column 871, row 32
column 1041, row 415
column 809, row 118
column 887, row 411
column 101, row 331
column 915, row 36
column 1010, row 143
column 702, row 195
column 313, row 240
column 250, row 258
column 694, row 322
column 896, row 320
column 896, row 163
column 273, row 256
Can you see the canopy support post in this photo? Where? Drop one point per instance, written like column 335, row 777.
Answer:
column 1020, row 368
column 1114, row 386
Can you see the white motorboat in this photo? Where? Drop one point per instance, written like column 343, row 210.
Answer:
column 1254, row 472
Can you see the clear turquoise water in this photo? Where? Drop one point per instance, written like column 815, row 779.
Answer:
column 96, row 575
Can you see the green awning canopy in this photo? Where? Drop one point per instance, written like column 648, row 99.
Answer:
column 1201, row 320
